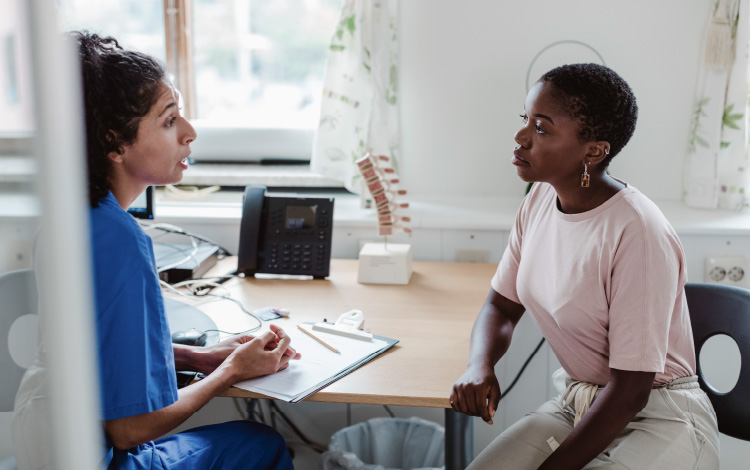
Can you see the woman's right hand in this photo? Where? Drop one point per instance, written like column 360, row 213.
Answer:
column 262, row 355
column 477, row 392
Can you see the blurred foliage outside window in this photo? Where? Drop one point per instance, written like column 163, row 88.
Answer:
column 257, row 63
column 260, row 63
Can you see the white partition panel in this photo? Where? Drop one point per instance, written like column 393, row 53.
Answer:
column 64, row 275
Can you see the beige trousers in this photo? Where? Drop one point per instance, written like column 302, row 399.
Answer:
column 676, row 430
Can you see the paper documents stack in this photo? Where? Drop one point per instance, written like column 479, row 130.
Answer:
column 318, row 367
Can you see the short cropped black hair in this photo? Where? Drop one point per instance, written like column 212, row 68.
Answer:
column 599, row 99
column 119, row 88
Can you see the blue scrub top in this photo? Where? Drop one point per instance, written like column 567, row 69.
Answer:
column 136, row 359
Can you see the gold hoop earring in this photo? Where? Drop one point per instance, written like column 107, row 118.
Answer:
column 585, row 176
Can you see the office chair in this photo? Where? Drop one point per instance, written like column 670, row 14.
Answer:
column 18, row 297
column 719, row 309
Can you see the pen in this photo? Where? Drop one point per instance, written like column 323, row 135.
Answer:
column 318, row 339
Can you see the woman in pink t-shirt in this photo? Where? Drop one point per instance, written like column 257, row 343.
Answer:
column 602, row 273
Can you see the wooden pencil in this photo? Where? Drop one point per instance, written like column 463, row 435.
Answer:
column 318, row 339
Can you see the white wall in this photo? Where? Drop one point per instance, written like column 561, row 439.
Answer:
column 462, row 80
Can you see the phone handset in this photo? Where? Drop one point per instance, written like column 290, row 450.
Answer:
column 252, row 208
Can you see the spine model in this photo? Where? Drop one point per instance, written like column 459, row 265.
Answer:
column 380, row 181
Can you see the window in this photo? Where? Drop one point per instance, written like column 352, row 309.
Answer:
column 260, row 63
column 250, row 70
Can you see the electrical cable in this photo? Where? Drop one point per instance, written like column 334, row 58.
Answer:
column 169, row 228
column 258, row 413
column 217, row 280
column 237, row 406
column 230, row 333
column 227, row 296
column 188, row 257
column 523, row 367
column 200, row 290
column 252, row 403
column 194, row 239
column 320, row 448
column 173, row 229
column 388, row 409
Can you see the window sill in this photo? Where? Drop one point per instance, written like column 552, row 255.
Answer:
column 475, row 213
column 426, row 212
column 17, row 169
column 242, row 174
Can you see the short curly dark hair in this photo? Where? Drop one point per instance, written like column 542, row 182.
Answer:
column 600, row 100
column 119, row 88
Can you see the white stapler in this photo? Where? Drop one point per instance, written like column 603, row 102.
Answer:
column 349, row 324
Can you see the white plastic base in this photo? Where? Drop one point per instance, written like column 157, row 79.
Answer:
column 381, row 263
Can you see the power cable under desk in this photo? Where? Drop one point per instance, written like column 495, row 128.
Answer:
column 523, row 368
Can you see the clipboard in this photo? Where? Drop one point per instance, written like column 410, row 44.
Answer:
column 319, row 366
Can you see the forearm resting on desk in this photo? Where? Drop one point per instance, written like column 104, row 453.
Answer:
column 207, row 359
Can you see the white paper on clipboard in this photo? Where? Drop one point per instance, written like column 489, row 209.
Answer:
column 318, row 367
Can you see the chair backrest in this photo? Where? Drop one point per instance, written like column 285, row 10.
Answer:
column 18, row 297
column 719, row 309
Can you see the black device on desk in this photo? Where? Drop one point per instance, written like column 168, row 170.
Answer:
column 143, row 206
column 285, row 235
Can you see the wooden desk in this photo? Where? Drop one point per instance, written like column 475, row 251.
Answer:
column 431, row 317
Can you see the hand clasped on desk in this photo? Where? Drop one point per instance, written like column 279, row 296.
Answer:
column 244, row 356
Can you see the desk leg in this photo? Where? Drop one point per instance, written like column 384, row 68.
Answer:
column 459, row 440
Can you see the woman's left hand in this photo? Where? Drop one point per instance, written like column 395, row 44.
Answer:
column 210, row 357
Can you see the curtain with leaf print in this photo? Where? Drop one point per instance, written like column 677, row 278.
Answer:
column 359, row 108
column 717, row 174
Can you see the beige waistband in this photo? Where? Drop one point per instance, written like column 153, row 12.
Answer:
column 683, row 383
column 580, row 395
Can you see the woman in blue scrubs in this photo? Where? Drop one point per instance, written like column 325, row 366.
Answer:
column 137, row 137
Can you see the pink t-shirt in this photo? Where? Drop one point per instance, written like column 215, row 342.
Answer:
column 606, row 287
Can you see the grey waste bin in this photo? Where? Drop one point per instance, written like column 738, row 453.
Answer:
column 387, row 444
column 8, row 463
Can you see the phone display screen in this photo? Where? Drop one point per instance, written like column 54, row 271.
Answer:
column 300, row 217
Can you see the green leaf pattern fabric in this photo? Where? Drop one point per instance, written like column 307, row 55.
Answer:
column 717, row 168
column 359, row 111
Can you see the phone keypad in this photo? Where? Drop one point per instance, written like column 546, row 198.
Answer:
column 297, row 251
column 297, row 256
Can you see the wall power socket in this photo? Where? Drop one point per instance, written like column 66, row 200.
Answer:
column 728, row 270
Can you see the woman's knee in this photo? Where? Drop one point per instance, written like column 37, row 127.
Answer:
column 254, row 431
column 262, row 444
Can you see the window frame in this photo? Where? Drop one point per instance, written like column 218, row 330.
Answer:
column 178, row 21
